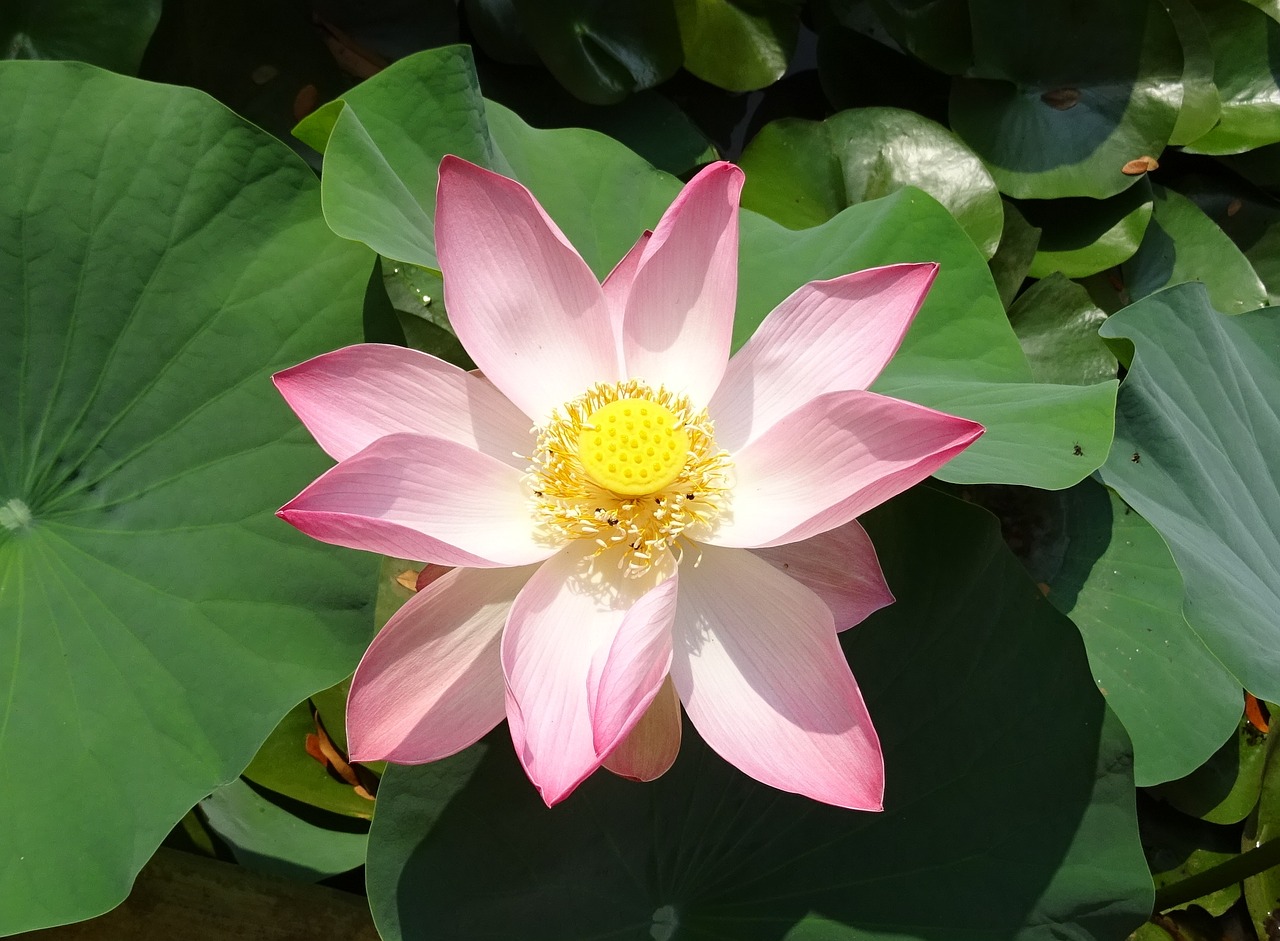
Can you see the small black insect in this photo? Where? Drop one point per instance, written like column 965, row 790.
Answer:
column 690, row 496
column 1077, row 450
column 1137, row 458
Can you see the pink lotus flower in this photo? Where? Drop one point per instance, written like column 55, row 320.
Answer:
column 676, row 523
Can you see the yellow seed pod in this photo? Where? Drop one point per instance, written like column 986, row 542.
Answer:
column 633, row 446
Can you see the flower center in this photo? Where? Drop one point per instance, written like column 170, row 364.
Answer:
column 633, row 446
column 629, row 467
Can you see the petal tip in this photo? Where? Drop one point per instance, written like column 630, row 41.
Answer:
column 451, row 163
column 552, row 797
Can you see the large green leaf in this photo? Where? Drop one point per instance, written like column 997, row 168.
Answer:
column 960, row 356
column 380, row 163
column 1012, row 261
column 110, row 35
column 1082, row 236
column 1064, row 93
column 1201, row 105
column 603, row 206
column 269, row 839
column 738, row 44
column 1196, row 452
column 1225, row 788
column 1246, row 55
column 159, row 259
column 1119, row 584
column 1248, row 216
column 1009, row 803
column 801, row 173
column 1183, row 244
column 1057, row 324
column 647, row 122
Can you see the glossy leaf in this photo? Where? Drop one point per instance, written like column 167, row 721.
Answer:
column 738, row 45
column 602, row 52
column 1017, row 250
column 1118, row 583
column 936, row 32
column 1057, row 325
column 1182, row 244
column 1080, row 237
column 1249, row 217
column 1054, row 118
column 159, row 259
column 801, row 173
column 110, row 35
column 268, row 839
column 1246, row 55
column 1196, row 452
column 417, row 296
column 705, row 853
column 1201, row 104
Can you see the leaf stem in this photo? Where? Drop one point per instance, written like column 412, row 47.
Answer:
column 1234, row 870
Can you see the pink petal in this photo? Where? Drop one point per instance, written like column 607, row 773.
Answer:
column 830, row 461
column 351, row 397
column 628, row 676
column 523, row 302
column 431, row 682
column 562, row 630
column 764, row 681
column 828, row 336
column 679, row 318
column 617, row 284
column 651, row 747
column 422, row 498
column 840, row 567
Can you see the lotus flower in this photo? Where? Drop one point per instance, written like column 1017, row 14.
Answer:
column 629, row 515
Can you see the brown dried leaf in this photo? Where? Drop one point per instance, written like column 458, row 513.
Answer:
column 1140, row 165
column 313, row 749
column 336, row 760
column 1062, row 99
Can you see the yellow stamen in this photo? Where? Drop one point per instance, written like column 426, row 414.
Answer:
column 633, row 446
column 576, row 494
